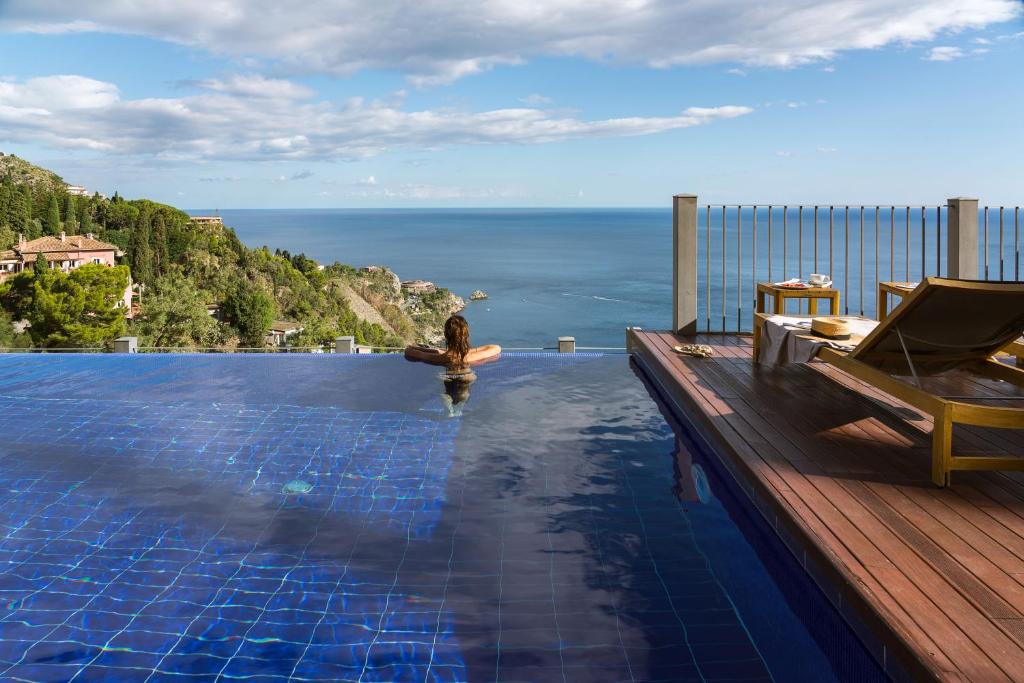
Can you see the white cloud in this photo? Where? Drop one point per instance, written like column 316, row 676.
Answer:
column 783, row 153
column 828, row 69
column 944, row 54
column 254, row 85
column 535, row 100
column 428, row 192
column 736, row 72
column 368, row 181
column 439, row 41
column 235, row 123
column 827, row 150
column 981, row 41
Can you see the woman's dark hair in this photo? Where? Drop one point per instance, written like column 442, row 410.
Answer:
column 456, row 334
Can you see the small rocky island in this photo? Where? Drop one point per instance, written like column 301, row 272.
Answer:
column 478, row 295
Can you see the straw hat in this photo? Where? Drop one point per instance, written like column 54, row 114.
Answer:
column 830, row 328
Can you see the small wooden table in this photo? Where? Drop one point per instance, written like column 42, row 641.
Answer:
column 900, row 289
column 812, row 294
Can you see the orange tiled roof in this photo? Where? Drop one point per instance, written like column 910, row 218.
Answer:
column 50, row 244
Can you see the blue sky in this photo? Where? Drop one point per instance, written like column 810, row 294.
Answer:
column 499, row 103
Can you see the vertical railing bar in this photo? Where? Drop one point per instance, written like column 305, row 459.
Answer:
column 800, row 247
column 1016, row 243
column 724, row 285
column 938, row 240
column 1001, row 243
column 707, row 273
column 906, row 251
column 924, row 243
column 985, row 243
column 785, row 240
column 877, row 313
column 846, row 258
column 861, row 260
column 753, row 264
column 739, row 267
column 892, row 243
column 831, row 259
column 816, row 239
column 770, row 243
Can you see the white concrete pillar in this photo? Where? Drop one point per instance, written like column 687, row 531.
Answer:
column 684, row 264
column 345, row 344
column 126, row 345
column 962, row 238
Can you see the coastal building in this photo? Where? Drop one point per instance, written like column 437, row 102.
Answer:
column 208, row 220
column 281, row 330
column 76, row 190
column 63, row 251
column 418, row 286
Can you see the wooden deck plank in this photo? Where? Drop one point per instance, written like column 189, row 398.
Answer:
column 939, row 572
column 870, row 513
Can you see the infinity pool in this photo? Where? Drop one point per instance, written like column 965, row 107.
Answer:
column 335, row 518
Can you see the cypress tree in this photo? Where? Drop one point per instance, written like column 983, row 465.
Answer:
column 159, row 243
column 51, row 226
column 86, row 226
column 141, row 257
column 70, row 218
column 6, row 191
column 41, row 265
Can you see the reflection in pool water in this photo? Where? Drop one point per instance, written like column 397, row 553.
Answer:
column 329, row 518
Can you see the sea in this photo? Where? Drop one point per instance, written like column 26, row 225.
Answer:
column 547, row 273
column 590, row 273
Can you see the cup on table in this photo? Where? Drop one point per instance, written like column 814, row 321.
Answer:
column 818, row 279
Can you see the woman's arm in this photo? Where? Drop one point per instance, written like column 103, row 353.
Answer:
column 481, row 354
column 425, row 354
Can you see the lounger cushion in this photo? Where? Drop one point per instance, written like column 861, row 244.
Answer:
column 945, row 324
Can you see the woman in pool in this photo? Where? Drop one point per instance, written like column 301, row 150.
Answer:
column 459, row 355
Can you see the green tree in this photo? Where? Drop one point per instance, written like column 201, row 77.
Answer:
column 19, row 211
column 70, row 217
column 7, row 237
column 173, row 313
column 51, row 224
column 80, row 308
column 41, row 266
column 140, row 254
column 10, row 338
column 86, row 226
column 250, row 311
column 159, row 245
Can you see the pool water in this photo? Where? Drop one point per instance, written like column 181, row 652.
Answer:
column 337, row 518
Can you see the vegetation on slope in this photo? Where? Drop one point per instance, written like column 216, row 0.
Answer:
column 180, row 268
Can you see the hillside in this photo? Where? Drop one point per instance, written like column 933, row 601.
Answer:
column 183, row 270
column 25, row 173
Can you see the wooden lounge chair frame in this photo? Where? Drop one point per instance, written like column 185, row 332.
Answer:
column 945, row 412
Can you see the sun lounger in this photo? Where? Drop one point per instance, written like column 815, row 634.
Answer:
column 945, row 325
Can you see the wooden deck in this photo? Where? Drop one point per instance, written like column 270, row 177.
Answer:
column 935, row 576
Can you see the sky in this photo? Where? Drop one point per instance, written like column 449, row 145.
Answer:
column 519, row 103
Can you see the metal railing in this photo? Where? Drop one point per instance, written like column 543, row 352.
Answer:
column 731, row 248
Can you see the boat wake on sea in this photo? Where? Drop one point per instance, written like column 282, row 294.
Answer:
column 598, row 298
